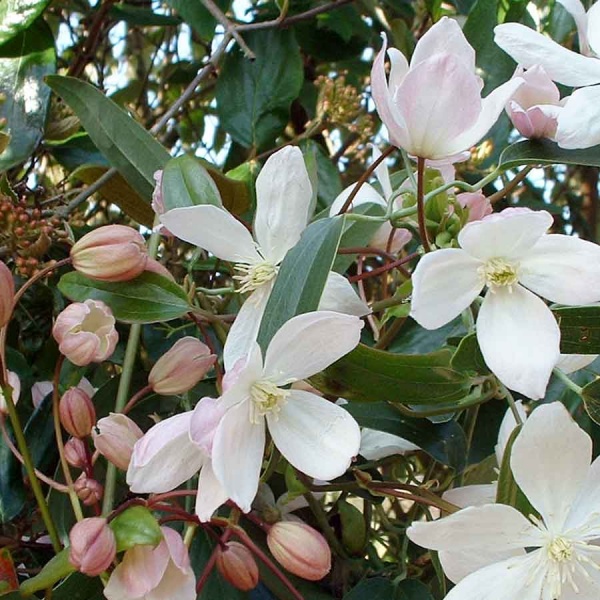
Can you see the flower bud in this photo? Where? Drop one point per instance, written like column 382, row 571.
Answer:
column 93, row 546
column 88, row 490
column 75, row 453
column 182, row 367
column 7, row 294
column 477, row 204
column 110, row 253
column 15, row 383
column 300, row 549
column 85, row 332
column 77, row 413
column 237, row 566
column 114, row 437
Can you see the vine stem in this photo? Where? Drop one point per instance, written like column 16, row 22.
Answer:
column 568, row 381
column 421, row 204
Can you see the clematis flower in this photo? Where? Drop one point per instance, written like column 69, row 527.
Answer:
column 283, row 203
column 314, row 435
column 494, row 552
column 511, row 254
column 433, row 108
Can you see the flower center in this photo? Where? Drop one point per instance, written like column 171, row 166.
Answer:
column 560, row 550
column 266, row 398
column 253, row 276
column 499, row 272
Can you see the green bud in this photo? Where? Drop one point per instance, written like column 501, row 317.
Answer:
column 354, row 529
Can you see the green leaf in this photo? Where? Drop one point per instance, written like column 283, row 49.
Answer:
column 329, row 183
column 12, row 492
column 591, row 399
column 79, row 587
column 369, row 375
column 254, row 97
column 40, row 436
column 414, row 339
column 138, row 15
column 445, row 442
column 24, row 63
column 412, row 589
column 124, row 142
column 136, row 526
column 545, row 152
column 18, row 15
column 377, row 588
column 302, row 276
column 198, row 17
column 148, row 298
column 54, row 570
column 579, row 329
column 468, row 357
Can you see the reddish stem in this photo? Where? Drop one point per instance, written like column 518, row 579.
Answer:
column 210, row 564
column 385, row 268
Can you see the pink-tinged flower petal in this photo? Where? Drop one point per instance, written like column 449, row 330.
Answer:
column 576, row 9
column 316, row 436
column 477, row 204
column 549, row 476
column 177, row 549
column 381, row 238
column 592, row 30
column 211, row 493
column 563, row 269
column 529, row 48
column 398, row 68
column 308, row 343
column 507, row 235
column 445, row 36
column 203, row 424
column 538, row 122
column 439, row 99
column 283, row 199
column 519, row 339
column 579, row 119
column 339, row 296
column 237, row 456
column 367, row 193
column 537, row 89
column 213, row 229
column 238, row 381
column 445, row 282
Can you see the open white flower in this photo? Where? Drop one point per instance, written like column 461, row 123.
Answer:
column 494, row 553
column 283, row 203
column 511, row 254
column 314, row 435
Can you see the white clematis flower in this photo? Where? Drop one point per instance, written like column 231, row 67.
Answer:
column 283, row 201
column 314, row 435
column 511, row 254
column 493, row 552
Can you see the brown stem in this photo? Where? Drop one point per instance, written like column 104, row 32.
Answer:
column 512, row 184
column 421, row 204
column 230, row 28
column 397, row 264
column 210, row 563
column 136, row 398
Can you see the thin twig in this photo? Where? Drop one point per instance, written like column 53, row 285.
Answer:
column 230, row 28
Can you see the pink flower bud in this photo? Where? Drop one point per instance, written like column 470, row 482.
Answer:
column 237, row 566
column 15, row 383
column 110, row 253
column 115, row 437
column 182, row 367
column 153, row 266
column 478, row 205
column 7, row 294
column 77, row 413
column 300, row 549
column 75, row 453
column 93, row 546
column 85, row 332
column 88, row 490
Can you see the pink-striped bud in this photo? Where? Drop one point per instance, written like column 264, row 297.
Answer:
column 75, row 453
column 88, row 490
column 7, row 294
column 110, row 253
column 77, row 412
column 182, row 367
column 114, row 437
column 300, row 549
column 93, row 546
column 237, row 566
column 85, row 332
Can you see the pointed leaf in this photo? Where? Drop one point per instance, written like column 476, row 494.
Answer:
column 545, row 152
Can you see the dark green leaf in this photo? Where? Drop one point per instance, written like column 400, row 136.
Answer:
column 579, row 329
column 591, row 400
column 76, row 151
column 197, row 16
column 25, row 61
column 79, row 587
column 329, row 184
column 414, row 339
column 40, row 436
column 254, row 97
column 302, row 276
column 54, row 570
column 377, row 588
column 12, row 492
column 412, row 589
column 138, row 15
column 147, row 299
column 136, row 526
column 545, row 152
column 17, row 15
column 468, row 357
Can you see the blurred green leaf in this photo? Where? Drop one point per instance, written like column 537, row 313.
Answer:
column 377, row 588
column 12, row 492
column 79, row 587
column 54, row 570
column 136, row 526
column 140, row 15
column 197, row 16
column 579, row 329
column 591, row 399
column 18, row 15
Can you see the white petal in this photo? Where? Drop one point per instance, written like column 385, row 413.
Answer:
column 366, row 194
column 576, row 9
column 379, row 444
column 459, row 564
column 213, row 229
column 244, row 330
column 238, row 381
column 237, row 457
column 504, row 235
column 165, row 457
column 445, row 282
column 211, row 493
column 309, row 343
column 529, row 48
column 563, row 269
column 578, row 121
column 593, row 28
column 283, row 197
column 381, row 172
column 519, row 339
column 569, row 363
column 588, row 586
column 506, row 428
column 550, row 461
column 339, row 296
column 472, row 495
column 316, row 436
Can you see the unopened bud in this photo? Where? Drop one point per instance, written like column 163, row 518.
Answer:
column 237, row 566
column 110, row 253
column 7, row 294
column 88, row 490
column 115, row 437
column 182, row 367
column 77, row 412
column 15, row 384
column 300, row 549
column 75, row 453
column 93, row 546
